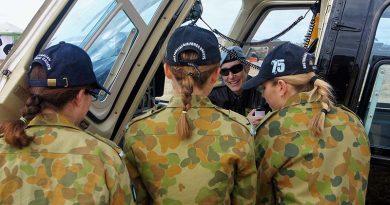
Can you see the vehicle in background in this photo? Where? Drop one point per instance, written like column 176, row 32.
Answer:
column 126, row 40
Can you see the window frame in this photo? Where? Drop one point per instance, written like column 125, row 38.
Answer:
column 263, row 15
column 377, row 78
column 124, row 63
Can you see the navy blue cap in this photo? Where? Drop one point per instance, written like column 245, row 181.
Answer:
column 226, row 57
column 286, row 59
column 196, row 39
column 66, row 65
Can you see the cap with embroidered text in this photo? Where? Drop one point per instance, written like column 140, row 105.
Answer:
column 286, row 59
column 66, row 65
column 194, row 38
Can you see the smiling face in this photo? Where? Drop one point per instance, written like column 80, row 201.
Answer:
column 234, row 79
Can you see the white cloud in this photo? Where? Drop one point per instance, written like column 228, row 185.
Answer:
column 18, row 12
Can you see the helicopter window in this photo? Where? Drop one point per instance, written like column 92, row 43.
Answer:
column 377, row 119
column 107, row 47
column 381, row 46
column 147, row 9
column 273, row 22
column 81, row 22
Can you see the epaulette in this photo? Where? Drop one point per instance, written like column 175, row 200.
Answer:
column 265, row 118
column 110, row 143
column 150, row 112
column 350, row 111
column 236, row 117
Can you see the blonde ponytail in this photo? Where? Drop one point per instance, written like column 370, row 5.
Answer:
column 325, row 91
column 309, row 82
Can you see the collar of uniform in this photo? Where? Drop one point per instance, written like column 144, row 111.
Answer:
column 51, row 119
column 196, row 101
column 302, row 98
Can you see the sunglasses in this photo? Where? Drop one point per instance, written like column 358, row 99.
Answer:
column 93, row 93
column 234, row 69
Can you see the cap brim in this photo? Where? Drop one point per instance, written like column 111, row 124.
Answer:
column 254, row 82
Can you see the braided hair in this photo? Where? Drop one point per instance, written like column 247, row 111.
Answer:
column 187, row 77
column 40, row 98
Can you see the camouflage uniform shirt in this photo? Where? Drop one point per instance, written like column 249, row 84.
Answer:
column 295, row 167
column 63, row 165
column 215, row 166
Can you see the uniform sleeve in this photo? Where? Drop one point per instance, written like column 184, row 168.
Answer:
column 141, row 194
column 264, row 175
column 270, row 161
column 244, row 191
column 118, row 181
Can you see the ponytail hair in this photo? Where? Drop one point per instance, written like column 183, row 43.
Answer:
column 40, row 99
column 325, row 91
column 188, row 77
column 187, row 86
column 310, row 82
column 14, row 131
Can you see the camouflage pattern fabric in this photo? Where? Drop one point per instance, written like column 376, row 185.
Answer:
column 297, row 168
column 63, row 165
column 215, row 166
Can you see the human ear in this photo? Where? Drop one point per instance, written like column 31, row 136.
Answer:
column 215, row 75
column 167, row 71
column 282, row 87
column 79, row 97
column 247, row 68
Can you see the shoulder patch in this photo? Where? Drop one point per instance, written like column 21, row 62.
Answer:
column 148, row 113
column 235, row 117
column 265, row 118
column 350, row 111
column 110, row 143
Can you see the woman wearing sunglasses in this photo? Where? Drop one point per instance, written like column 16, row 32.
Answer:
column 230, row 95
column 45, row 158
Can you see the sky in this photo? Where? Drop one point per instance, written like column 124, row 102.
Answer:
column 220, row 19
column 12, row 12
column 20, row 16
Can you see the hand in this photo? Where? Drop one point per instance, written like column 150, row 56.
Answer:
column 254, row 120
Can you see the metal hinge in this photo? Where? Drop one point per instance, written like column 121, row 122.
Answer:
column 338, row 26
column 6, row 73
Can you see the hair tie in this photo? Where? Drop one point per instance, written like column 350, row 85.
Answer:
column 324, row 111
column 196, row 68
column 24, row 120
column 184, row 112
column 313, row 79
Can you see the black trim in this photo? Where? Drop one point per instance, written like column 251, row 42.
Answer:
column 371, row 27
column 377, row 157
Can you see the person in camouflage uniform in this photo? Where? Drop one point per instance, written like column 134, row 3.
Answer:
column 191, row 152
column 309, row 151
column 44, row 157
